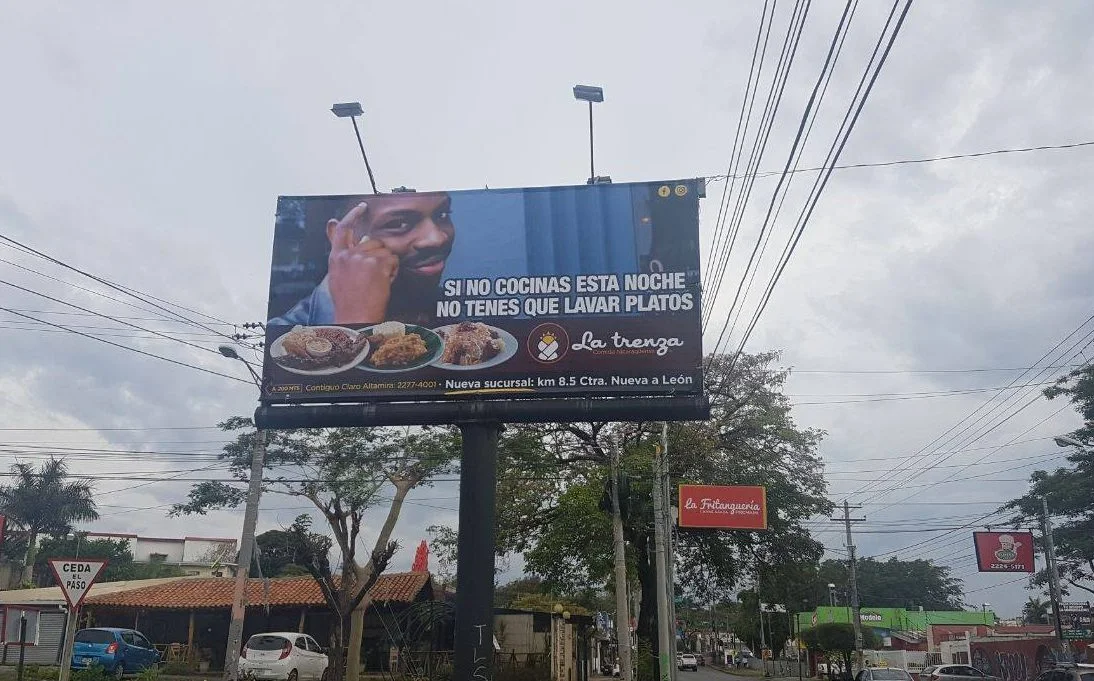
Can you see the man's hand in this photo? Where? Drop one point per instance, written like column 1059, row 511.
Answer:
column 359, row 274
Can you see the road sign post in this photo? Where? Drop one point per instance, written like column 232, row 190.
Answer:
column 75, row 578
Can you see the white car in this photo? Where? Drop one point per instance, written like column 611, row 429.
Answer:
column 283, row 656
column 688, row 661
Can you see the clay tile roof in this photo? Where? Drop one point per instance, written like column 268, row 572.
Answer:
column 216, row 592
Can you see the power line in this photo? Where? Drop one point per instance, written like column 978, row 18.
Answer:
column 759, row 147
column 146, row 298
column 794, row 370
column 822, row 179
column 912, row 161
column 104, row 316
column 131, row 349
column 946, row 438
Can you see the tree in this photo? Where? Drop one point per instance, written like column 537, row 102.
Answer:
column 505, row 594
column 279, row 553
column 563, row 531
column 1035, row 611
column 1067, row 489
column 44, row 501
column 894, row 583
column 116, row 552
column 343, row 472
column 838, row 638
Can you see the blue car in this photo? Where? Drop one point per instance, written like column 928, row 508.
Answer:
column 118, row 651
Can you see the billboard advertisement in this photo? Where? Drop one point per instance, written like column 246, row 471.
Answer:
column 736, row 507
column 496, row 293
column 1004, row 551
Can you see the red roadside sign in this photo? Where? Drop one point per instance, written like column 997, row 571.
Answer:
column 1004, row 551
column 75, row 577
column 726, row 507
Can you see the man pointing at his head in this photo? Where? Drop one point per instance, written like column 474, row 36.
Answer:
column 387, row 255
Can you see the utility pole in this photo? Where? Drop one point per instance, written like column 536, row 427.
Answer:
column 243, row 566
column 856, row 620
column 1053, row 572
column 622, row 611
column 664, row 626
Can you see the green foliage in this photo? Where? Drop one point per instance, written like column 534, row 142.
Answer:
column 1035, row 611
column 177, row 668
column 837, row 639
column 44, row 501
column 1067, row 489
column 119, row 567
column 149, row 674
column 36, row 672
column 280, row 553
column 94, row 673
column 893, row 584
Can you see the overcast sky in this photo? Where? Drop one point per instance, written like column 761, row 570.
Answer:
column 147, row 143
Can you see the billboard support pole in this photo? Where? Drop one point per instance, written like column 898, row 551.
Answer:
column 474, row 655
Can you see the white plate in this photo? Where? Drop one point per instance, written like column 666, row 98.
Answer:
column 423, row 361
column 505, row 355
column 277, row 352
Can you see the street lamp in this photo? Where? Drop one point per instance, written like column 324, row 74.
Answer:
column 590, row 94
column 1068, row 441
column 352, row 110
column 246, row 541
column 831, row 594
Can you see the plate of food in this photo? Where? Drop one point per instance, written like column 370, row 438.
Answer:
column 319, row 350
column 474, row 345
column 400, row 347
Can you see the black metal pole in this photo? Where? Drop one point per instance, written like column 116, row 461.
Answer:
column 592, row 166
column 474, row 658
column 357, row 131
column 22, row 642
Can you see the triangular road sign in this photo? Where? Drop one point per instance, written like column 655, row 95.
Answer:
column 75, row 577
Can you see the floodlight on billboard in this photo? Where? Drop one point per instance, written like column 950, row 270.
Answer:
column 1004, row 551
column 589, row 290
column 726, row 507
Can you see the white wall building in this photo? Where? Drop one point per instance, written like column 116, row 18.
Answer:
column 196, row 556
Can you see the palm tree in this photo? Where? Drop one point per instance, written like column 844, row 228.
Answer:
column 44, row 501
column 1035, row 611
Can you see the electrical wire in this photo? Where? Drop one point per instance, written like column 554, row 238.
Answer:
column 822, row 179
column 131, row 349
column 145, row 298
column 759, row 147
column 913, row 161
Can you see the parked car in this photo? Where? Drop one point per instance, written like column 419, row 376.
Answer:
column 1080, row 672
column 687, row 661
column 118, row 651
column 883, row 674
column 955, row 672
column 284, row 656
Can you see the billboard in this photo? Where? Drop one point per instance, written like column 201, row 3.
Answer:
column 1004, row 551
column 495, row 293
column 734, row 507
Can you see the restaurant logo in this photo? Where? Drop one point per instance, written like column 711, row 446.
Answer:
column 1004, row 551
column 733, row 507
column 548, row 343
column 1007, row 551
